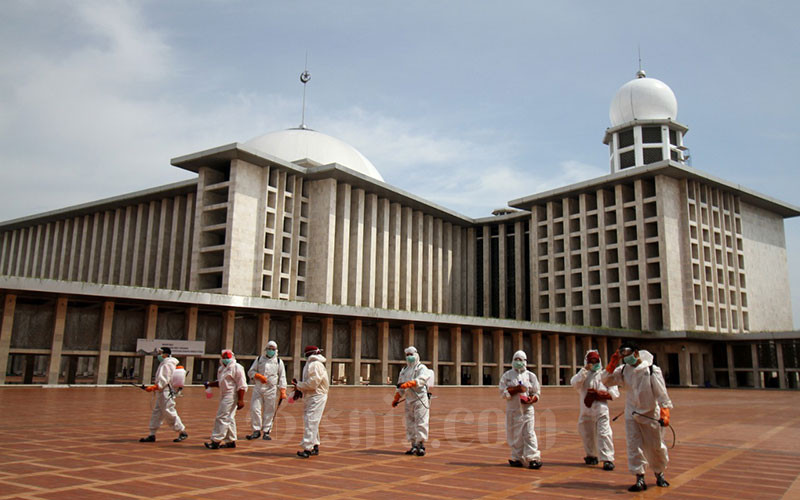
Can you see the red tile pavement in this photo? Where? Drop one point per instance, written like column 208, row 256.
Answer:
column 82, row 443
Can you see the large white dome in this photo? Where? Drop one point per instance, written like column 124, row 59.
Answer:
column 643, row 99
column 299, row 144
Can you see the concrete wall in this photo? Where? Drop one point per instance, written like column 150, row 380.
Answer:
column 767, row 270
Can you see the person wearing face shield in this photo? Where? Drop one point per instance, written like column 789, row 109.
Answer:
column 413, row 382
column 269, row 378
column 593, row 423
column 647, row 408
column 232, row 383
column 164, row 408
column 314, row 390
column 521, row 389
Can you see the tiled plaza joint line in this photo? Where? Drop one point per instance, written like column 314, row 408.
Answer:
column 81, row 443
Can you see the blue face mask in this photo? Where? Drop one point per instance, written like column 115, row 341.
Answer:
column 270, row 352
column 410, row 358
column 226, row 361
column 630, row 359
column 596, row 367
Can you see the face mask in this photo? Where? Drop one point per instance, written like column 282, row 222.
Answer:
column 160, row 358
column 630, row 359
column 270, row 352
column 596, row 367
column 519, row 365
column 226, row 361
column 410, row 358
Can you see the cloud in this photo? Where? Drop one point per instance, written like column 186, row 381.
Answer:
column 472, row 174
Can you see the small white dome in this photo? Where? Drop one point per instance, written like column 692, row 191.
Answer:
column 643, row 99
column 299, row 144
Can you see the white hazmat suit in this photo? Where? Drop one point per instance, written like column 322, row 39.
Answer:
column 417, row 403
column 314, row 387
column 594, row 425
column 231, row 380
column 646, row 393
column 265, row 395
column 165, row 398
column 519, row 416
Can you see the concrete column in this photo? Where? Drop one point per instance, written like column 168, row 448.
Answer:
column 477, row 349
column 537, row 346
column 685, row 368
column 516, row 341
column 756, row 373
column 502, row 279
column 433, row 348
column 355, row 351
column 603, row 348
column 487, row 273
column 408, row 334
column 58, row 341
column 327, row 343
column 383, row 350
column 296, row 336
column 105, row 343
column 191, row 334
column 731, row 372
column 263, row 333
column 555, row 357
column 781, row 368
column 151, row 320
column 499, row 355
column 455, row 347
column 355, row 275
column 6, row 327
column 571, row 355
column 228, row 320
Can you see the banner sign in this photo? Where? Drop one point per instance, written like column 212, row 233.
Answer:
column 179, row 347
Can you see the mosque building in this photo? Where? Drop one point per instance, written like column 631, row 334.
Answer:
column 295, row 236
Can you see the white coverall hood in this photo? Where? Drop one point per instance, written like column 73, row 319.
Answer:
column 586, row 356
column 520, row 355
column 412, row 350
column 271, row 345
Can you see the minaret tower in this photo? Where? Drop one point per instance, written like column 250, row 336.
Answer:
column 643, row 127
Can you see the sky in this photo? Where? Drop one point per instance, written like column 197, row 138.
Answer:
column 468, row 104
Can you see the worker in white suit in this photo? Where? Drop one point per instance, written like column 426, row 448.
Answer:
column 232, row 383
column 313, row 388
column 521, row 390
column 268, row 374
column 647, row 409
column 594, row 424
column 164, row 408
column 414, row 382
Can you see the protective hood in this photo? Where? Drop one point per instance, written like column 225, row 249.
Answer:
column 412, row 351
column 586, row 357
column 316, row 357
column 171, row 361
column 271, row 345
column 519, row 355
column 646, row 357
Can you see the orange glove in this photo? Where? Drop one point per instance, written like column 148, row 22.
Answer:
column 664, row 420
column 591, row 397
column 283, row 393
column 603, row 396
column 260, row 378
column 409, row 384
column 515, row 389
column 613, row 362
column 396, row 400
column 151, row 388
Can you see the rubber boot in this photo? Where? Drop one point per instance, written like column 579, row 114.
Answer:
column 180, row 437
column 212, row 445
column 149, row 439
column 515, row 463
column 639, row 485
column 420, row 451
column 254, row 435
column 229, row 444
column 303, row 453
column 266, row 437
column 590, row 460
column 660, row 481
column 535, row 464
column 412, row 450
column 607, row 465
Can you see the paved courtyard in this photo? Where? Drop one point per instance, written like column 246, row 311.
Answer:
column 81, row 443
